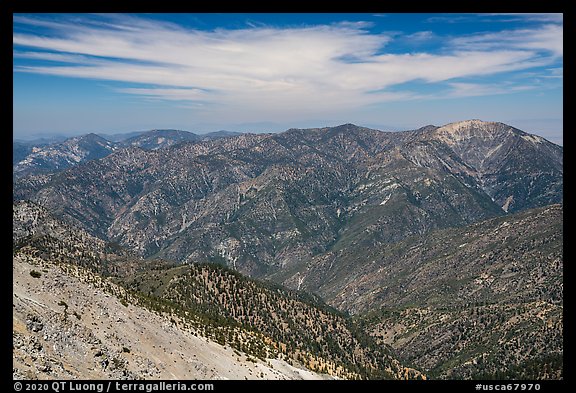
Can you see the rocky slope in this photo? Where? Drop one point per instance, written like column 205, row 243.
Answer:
column 502, row 341
column 158, row 139
column 43, row 156
column 62, row 155
column 35, row 230
column 261, row 202
column 20, row 150
column 485, row 300
column 516, row 169
column 68, row 323
column 515, row 257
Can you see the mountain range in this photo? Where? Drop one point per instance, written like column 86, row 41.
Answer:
column 261, row 202
column 424, row 239
column 42, row 156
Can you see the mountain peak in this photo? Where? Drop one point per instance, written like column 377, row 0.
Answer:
column 467, row 124
column 467, row 130
column 92, row 137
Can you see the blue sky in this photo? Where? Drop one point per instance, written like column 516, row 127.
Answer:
column 110, row 73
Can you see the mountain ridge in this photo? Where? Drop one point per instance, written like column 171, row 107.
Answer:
column 44, row 156
column 338, row 181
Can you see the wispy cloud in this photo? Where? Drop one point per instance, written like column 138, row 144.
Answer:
column 420, row 36
column 497, row 17
column 451, row 19
column 556, row 73
column 459, row 89
column 56, row 57
column 267, row 69
column 546, row 38
column 169, row 94
column 535, row 17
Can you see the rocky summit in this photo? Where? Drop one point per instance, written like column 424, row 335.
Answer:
column 439, row 248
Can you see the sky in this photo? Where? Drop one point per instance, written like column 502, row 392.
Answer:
column 112, row 73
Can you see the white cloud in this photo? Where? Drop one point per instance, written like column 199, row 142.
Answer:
column 546, row 38
column 168, row 94
column 536, row 17
column 420, row 36
column 556, row 73
column 497, row 18
column 272, row 71
column 59, row 57
column 460, row 89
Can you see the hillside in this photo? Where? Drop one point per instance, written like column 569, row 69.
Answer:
column 296, row 326
column 45, row 158
column 68, row 323
column 517, row 256
column 258, row 320
column 485, row 300
column 48, row 155
column 261, row 203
